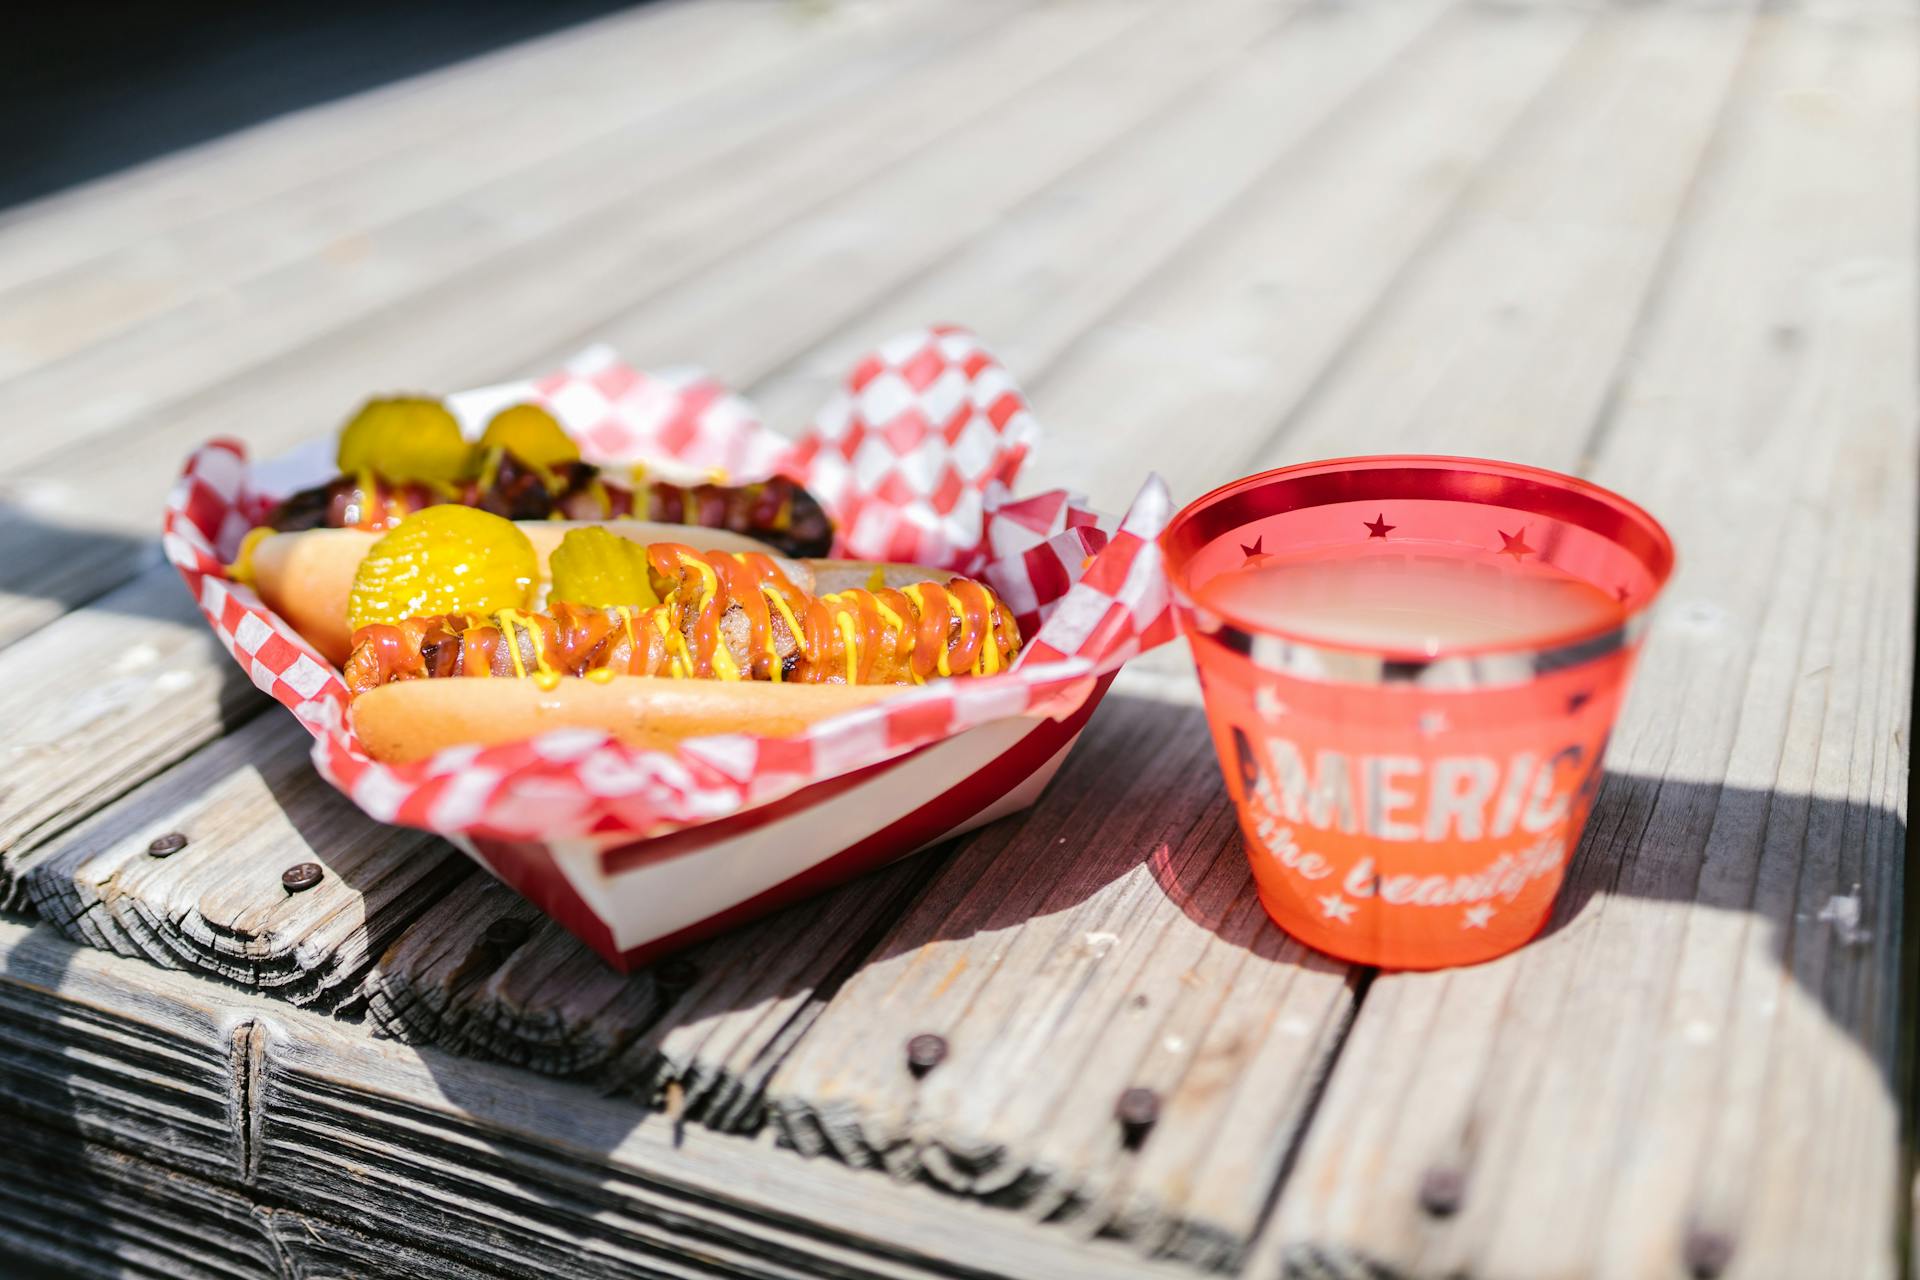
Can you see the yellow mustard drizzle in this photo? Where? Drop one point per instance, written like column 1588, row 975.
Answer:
column 783, row 515
column 877, row 579
column 683, row 660
column 600, row 675
column 241, row 570
column 988, row 663
column 633, row 644
column 793, row 626
column 490, row 467
column 724, row 665
column 709, row 580
column 597, row 490
column 914, row 594
column 954, row 613
column 920, row 606
column 365, row 487
column 507, row 618
column 545, row 677
column 843, row 623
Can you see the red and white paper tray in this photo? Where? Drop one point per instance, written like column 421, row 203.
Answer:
column 638, row 852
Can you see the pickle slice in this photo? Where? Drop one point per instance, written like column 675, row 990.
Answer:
column 444, row 559
column 532, row 435
column 594, row 567
column 405, row 440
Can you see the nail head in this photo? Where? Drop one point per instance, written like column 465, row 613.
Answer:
column 677, row 972
column 167, row 845
column 1707, row 1253
column 508, row 932
column 1137, row 1109
column 925, row 1052
column 301, row 876
column 1442, row 1190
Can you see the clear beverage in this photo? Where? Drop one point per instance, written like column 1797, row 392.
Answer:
column 1410, row 598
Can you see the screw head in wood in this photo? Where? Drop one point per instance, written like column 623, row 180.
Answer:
column 1706, row 1253
column 167, row 845
column 1441, row 1191
column 676, row 973
column 508, row 932
column 1137, row 1109
column 925, row 1052
column 301, row 876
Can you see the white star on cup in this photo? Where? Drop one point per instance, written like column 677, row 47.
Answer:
column 1433, row 723
column 1335, row 907
column 1477, row 917
column 1268, row 704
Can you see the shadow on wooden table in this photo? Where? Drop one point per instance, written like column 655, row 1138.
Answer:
column 49, row 565
column 91, row 93
column 1123, row 837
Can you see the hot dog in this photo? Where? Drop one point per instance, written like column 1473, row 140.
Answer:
column 307, row 577
column 399, row 455
column 732, row 644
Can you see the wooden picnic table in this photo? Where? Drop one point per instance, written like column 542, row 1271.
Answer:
column 1669, row 247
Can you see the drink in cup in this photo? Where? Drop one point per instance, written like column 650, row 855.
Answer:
column 1411, row 666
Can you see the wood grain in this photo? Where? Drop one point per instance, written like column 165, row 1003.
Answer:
column 103, row 699
column 250, row 806
column 1692, row 1071
column 1137, row 921
column 462, row 1164
column 89, row 510
column 271, row 183
column 1227, row 334
column 711, row 1022
column 1061, row 260
column 1668, row 246
column 237, row 291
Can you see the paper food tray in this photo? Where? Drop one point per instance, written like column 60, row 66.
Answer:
column 639, row 851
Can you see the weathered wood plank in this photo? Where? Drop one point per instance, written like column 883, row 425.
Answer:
column 1692, row 1070
column 101, row 700
column 1546, row 266
column 1185, row 150
column 1065, row 956
column 482, row 974
column 472, row 1165
column 250, row 806
column 1060, row 260
column 81, row 1209
column 1288, row 295
column 76, row 510
column 394, row 132
column 484, row 196
column 77, row 1209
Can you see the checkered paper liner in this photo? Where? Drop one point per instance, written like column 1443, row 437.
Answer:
column 914, row 458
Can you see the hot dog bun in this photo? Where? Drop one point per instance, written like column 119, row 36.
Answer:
column 306, row 577
column 413, row 719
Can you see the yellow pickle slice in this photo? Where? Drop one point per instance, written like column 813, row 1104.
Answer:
column 444, row 559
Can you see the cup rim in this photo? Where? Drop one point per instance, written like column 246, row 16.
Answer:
column 1658, row 557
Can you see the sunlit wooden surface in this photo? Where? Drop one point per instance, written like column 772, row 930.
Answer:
column 1670, row 247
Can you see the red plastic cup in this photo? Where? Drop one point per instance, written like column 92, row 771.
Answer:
column 1414, row 808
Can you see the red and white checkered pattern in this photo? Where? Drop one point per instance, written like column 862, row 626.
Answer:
column 954, row 431
column 906, row 456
